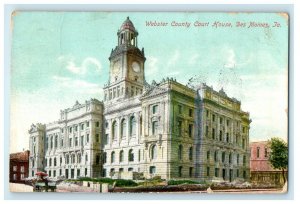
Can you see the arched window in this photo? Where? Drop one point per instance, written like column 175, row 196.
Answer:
column 216, row 156
column 121, row 156
column 132, row 127
column 73, row 158
column 223, row 156
column 123, row 128
column 130, row 155
column 112, row 157
column 180, row 152
column 153, row 152
column 79, row 158
column 56, row 141
column 67, row 159
column 114, row 130
column 191, row 153
column 141, row 127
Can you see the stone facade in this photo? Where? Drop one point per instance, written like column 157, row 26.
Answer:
column 69, row 147
column 160, row 129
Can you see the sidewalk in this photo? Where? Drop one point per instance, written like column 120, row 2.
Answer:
column 16, row 187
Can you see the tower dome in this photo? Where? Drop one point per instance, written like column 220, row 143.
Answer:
column 127, row 25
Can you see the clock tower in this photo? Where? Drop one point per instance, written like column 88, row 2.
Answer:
column 126, row 74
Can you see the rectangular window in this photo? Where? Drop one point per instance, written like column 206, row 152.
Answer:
column 154, row 127
column 243, row 143
column 227, row 123
column 216, row 172
column 87, row 138
column 154, row 109
column 152, row 170
column 206, row 130
column 190, row 130
column 97, row 137
column 97, row 159
column 191, row 112
column 257, row 152
column 70, row 129
column 266, row 152
column 180, row 171
column 82, row 126
column 54, row 173
column 15, row 168
column 22, row 176
column 191, row 172
column 213, row 117
column 207, row 171
column 78, row 173
column 76, row 128
column 106, row 139
column 76, row 141
column 97, row 124
column 15, row 177
column 81, row 140
column 22, row 169
column 60, row 172
column 87, row 124
column 221, row 135
column 213, row 133
column 70, row 142
column 179, row 128
column 179, row 109
column 208, row 155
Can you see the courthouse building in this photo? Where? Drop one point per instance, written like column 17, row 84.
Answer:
column 141, row 130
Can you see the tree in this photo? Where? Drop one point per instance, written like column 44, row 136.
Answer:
column 279, row 155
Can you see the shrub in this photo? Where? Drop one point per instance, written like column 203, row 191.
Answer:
column 178, row 182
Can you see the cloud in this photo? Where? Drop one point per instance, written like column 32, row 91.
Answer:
column 193, row 59
column 89, row 63
column 231, row 60
column 173, row 59
column 151, row 66
column 81, row 86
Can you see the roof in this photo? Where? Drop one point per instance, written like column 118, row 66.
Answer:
column 20, row 156
column 127, row 24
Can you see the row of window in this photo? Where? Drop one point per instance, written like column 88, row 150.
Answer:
column 223, row 157
column 22, row 169
column 266, row 154
column 123, row 127
column 181, row 129
column 223, row 173
column 69, row 159
column 71, row 142
column 222, row 119
column 181, row 110
column 153, row 154
column 116, row 92
column 68, row 174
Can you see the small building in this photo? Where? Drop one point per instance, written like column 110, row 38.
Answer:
column 261, row 169
column 18, row 166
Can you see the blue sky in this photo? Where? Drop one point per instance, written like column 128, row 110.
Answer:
column 60, row 57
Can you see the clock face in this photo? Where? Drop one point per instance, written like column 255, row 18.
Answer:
column 136, row 67
column 116, row 68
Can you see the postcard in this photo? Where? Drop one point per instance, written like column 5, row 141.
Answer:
column 105, row 102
